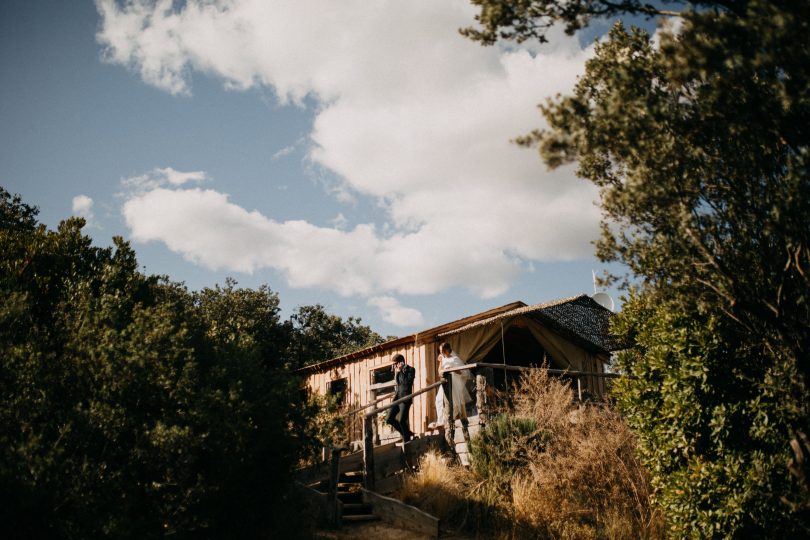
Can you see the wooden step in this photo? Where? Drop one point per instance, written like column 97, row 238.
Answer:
column 360, row 518
column 352, row 509
column 348, row 497
column 320, row 485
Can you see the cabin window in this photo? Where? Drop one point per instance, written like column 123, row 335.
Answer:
column 381, row 381
column 338, row 388
column 304, row 393
column 382, row 375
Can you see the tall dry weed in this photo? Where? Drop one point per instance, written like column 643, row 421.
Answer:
column 578, row 476
column 586, row 482
column 437, row 488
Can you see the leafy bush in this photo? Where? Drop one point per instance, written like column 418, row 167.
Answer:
column 130, row 407
column 713, row 414
column 697, row 140
column 503, row 448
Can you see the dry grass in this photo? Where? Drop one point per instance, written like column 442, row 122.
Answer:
column 578, row 476
column 436, row 487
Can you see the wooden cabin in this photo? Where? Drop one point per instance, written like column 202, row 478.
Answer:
column 568, row 334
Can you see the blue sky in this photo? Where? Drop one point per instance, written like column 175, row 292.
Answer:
column 353, row 155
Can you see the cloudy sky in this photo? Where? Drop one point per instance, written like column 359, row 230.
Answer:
column 355, row 154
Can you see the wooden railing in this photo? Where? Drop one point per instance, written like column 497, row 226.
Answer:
column 368, row 432
column 561, row 372
column 348, row 416
column 449, row 420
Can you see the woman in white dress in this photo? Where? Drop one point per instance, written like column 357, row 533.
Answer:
column 461, row 396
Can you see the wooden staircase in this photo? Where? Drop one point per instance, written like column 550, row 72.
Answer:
column 350, row 494
column 356, row 505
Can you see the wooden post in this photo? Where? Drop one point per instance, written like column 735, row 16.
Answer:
column 481, row 398
column 579, row 388
column 376, row 429
column 368, row 451
column 449, row 417
column 334, row 473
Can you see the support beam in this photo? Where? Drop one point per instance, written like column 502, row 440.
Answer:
column 368, row 452
column 334, row 473
column 481, row 399
column 449, row 418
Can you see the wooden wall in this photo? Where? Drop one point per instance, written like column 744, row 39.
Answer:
column 422, row 356
column 358, row 373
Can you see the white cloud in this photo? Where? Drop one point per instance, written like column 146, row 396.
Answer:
column 411, row 114
column 392, row 312
column 206, row 228
column 160, row 177
column 340, row 222
column 178, row 178
column 83, row 207
column 287, row 150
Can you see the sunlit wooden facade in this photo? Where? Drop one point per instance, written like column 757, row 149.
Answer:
column 566, row 334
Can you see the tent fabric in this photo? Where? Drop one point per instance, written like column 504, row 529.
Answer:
column 474, row 344
column 580, row 317
column 567, row 354
column 563, row 351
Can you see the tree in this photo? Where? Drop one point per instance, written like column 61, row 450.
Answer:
column 239, row 319
column 132, row 408
column 700, row 150
column 318, row 335
column 531, row 19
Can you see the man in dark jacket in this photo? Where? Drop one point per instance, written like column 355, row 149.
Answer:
column 398, row 414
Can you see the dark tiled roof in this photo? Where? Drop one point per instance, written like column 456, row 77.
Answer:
column 584, row 317
column 579, row 318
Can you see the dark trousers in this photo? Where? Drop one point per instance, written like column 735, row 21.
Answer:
column 398, row 417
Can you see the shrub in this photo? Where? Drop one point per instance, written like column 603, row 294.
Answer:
column 131, row 408
column 504, row 446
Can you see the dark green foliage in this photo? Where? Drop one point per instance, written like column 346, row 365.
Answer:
column 319, row 336
column 700, row 150
column 531, row 19
column 713, row 413
column 131, row 408
column 501, row 449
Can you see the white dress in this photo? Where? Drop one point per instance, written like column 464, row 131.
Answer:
column 460, row 394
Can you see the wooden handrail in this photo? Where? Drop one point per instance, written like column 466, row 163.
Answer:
column 368, row 430
column 474, row 365
column 507, row 367
column 368, row 444
column 403, row 399
column 366, row 406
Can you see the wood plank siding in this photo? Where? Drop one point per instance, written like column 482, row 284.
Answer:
column 359, row 376
column 578, row 321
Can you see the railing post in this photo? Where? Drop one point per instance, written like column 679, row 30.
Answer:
column 376, row 429
column 481, row 398
column 368, row 451
column 449, row 417
column 334, row 473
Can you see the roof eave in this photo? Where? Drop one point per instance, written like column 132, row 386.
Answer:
column 417, row 338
